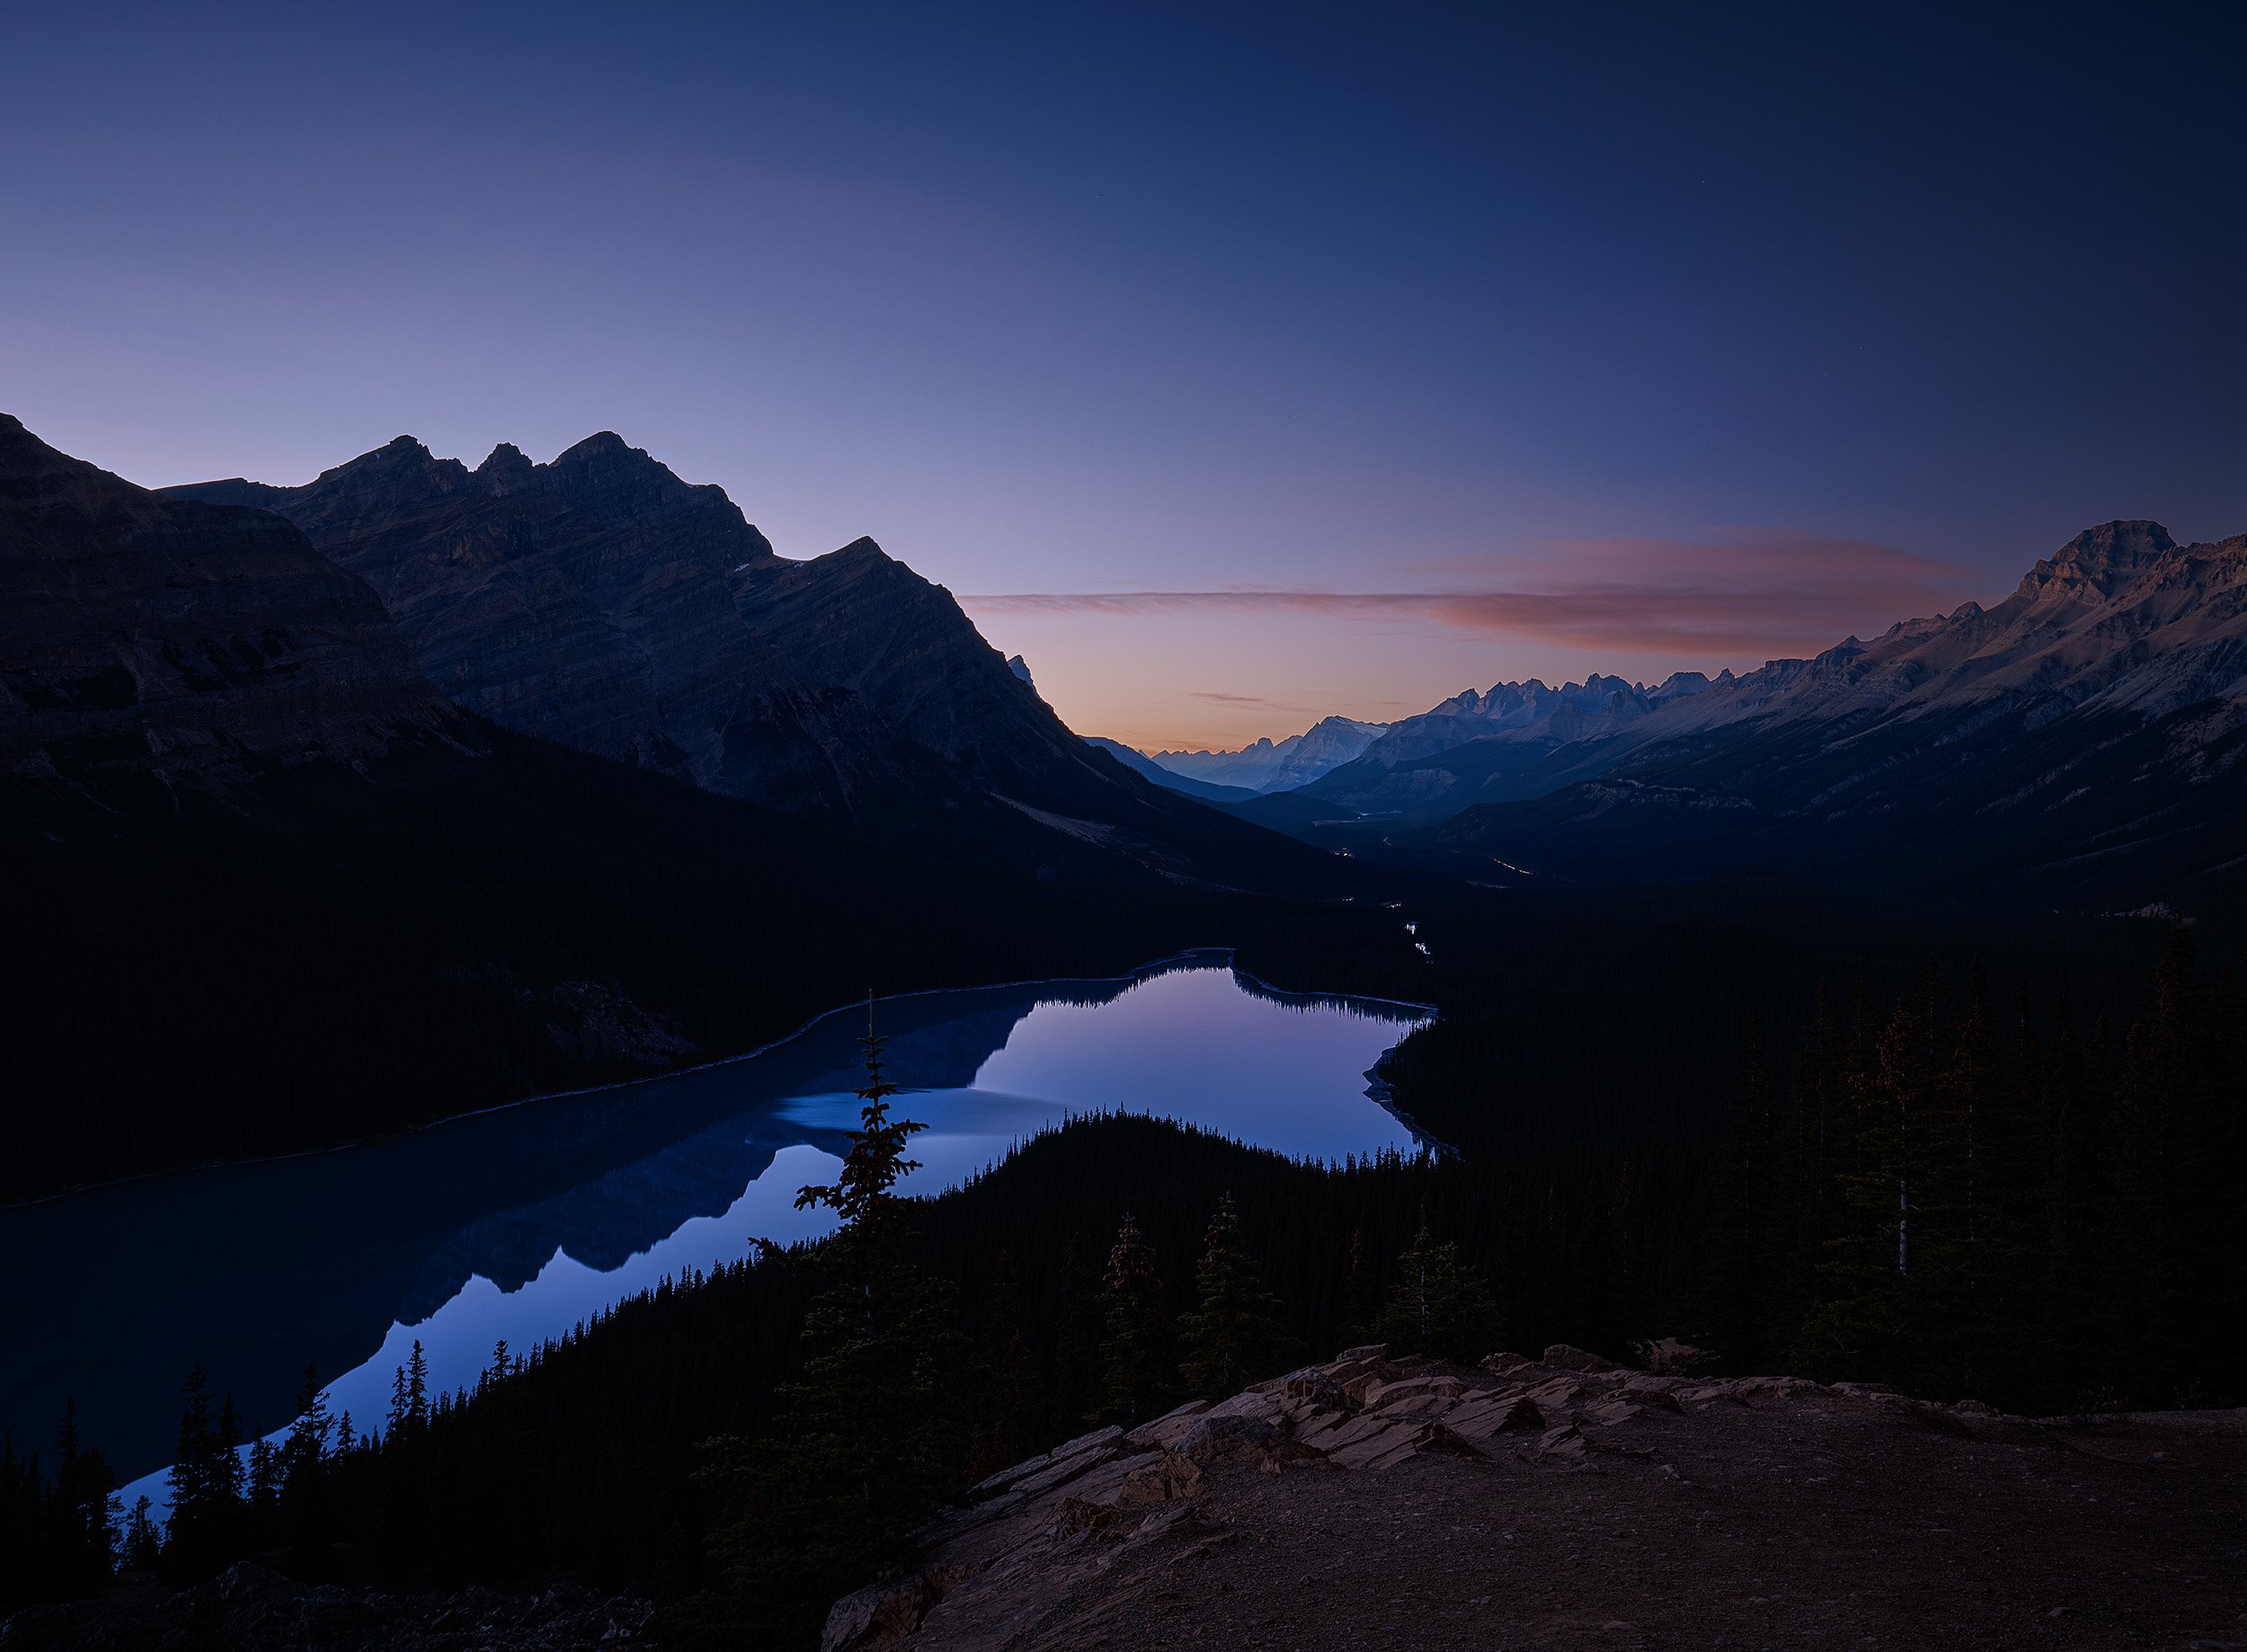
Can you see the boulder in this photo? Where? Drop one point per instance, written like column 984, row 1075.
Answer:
column 1562, row 1357
column 1170, row 1427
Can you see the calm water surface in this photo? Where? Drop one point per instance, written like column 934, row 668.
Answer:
column 519, row 1223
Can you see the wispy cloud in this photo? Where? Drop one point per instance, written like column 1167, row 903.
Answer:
column 1769, row 590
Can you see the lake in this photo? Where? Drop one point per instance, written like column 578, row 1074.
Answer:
column 520, row 1222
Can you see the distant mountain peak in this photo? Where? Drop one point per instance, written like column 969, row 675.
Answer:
column 506, row 470
column 1266, row 765
column 2104, row 557
column 401, row 464
column 601, row 444
column 605, row 458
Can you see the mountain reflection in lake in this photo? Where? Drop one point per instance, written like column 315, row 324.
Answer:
column 517, row 1224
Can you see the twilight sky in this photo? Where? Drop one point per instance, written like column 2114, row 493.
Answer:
column 1238, row 365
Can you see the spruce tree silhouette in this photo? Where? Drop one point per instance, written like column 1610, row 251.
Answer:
column 1138, row 1347
column 1234, row 1335
column 870, row 1436
column 1439, row 1305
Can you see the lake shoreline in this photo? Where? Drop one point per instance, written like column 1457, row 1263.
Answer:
column 1155, row 966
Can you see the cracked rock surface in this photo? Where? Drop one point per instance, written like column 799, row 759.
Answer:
column 1561, row 1503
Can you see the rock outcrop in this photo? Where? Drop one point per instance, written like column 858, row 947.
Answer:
column 1563, row 1502
column 144, row 637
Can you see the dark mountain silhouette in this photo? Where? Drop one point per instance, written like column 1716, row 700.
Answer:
column 601, row 602
column 150, row 638
column 282, row 893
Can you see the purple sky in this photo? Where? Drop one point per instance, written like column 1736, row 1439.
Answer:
column 1237, row 365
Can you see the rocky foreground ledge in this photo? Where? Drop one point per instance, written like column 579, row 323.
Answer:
column 1562, row 1503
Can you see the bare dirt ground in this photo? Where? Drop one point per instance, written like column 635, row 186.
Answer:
column 1370, row 1505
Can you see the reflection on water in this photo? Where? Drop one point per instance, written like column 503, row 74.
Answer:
column 517, row 1224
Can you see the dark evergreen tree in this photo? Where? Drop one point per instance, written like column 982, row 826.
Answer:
column 1080, row 1378
column 1234, row 1336
column 1748, row 1183
column 304, row 1465
column 1361, row 1296
column 1438, row 1305
column 1137, row 1349
column 143, row 1546
column 869, row 1438
column 82, row 1547
column 204, row 1532
column 1008, row 1400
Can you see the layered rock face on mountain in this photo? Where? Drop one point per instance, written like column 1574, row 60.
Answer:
column 583, row 601
column 2092, row 726
column 1277, row 765
column 1561, row 1502
column 144, row 637
column 1476, row 747
column 2122, row 618
column 600, row 602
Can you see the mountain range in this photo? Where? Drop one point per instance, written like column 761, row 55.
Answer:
column 1139, row 763
column 600, row 602
column 516, row 780
column 2085, row 734
column 1276, row 765
column 1477, row 747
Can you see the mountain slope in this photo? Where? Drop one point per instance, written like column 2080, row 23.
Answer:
column 1476, row 748
column 147, row 639
column 1139, row 763
column 1276, row 766
column 603, row 603
column 2087, row 734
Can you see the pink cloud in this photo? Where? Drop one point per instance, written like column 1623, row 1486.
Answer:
column 1768, row 591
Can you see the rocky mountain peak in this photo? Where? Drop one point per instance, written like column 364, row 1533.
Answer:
column 2105, row 557
column 400, row 466
column 604, row 468
column 506, row 470
column 186, row 639
column 601, row 448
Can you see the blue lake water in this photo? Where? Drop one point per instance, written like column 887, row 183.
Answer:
column 521, row 1222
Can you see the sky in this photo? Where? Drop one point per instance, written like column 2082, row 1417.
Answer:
column 1237, row 365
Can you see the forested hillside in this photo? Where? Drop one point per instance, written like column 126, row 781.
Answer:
column 1960, row 1195
column 341, row 954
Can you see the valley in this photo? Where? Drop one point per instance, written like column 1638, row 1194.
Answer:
column 526, row 835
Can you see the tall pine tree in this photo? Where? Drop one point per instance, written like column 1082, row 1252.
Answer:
column 1233, row 1335
column 870, row 1438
